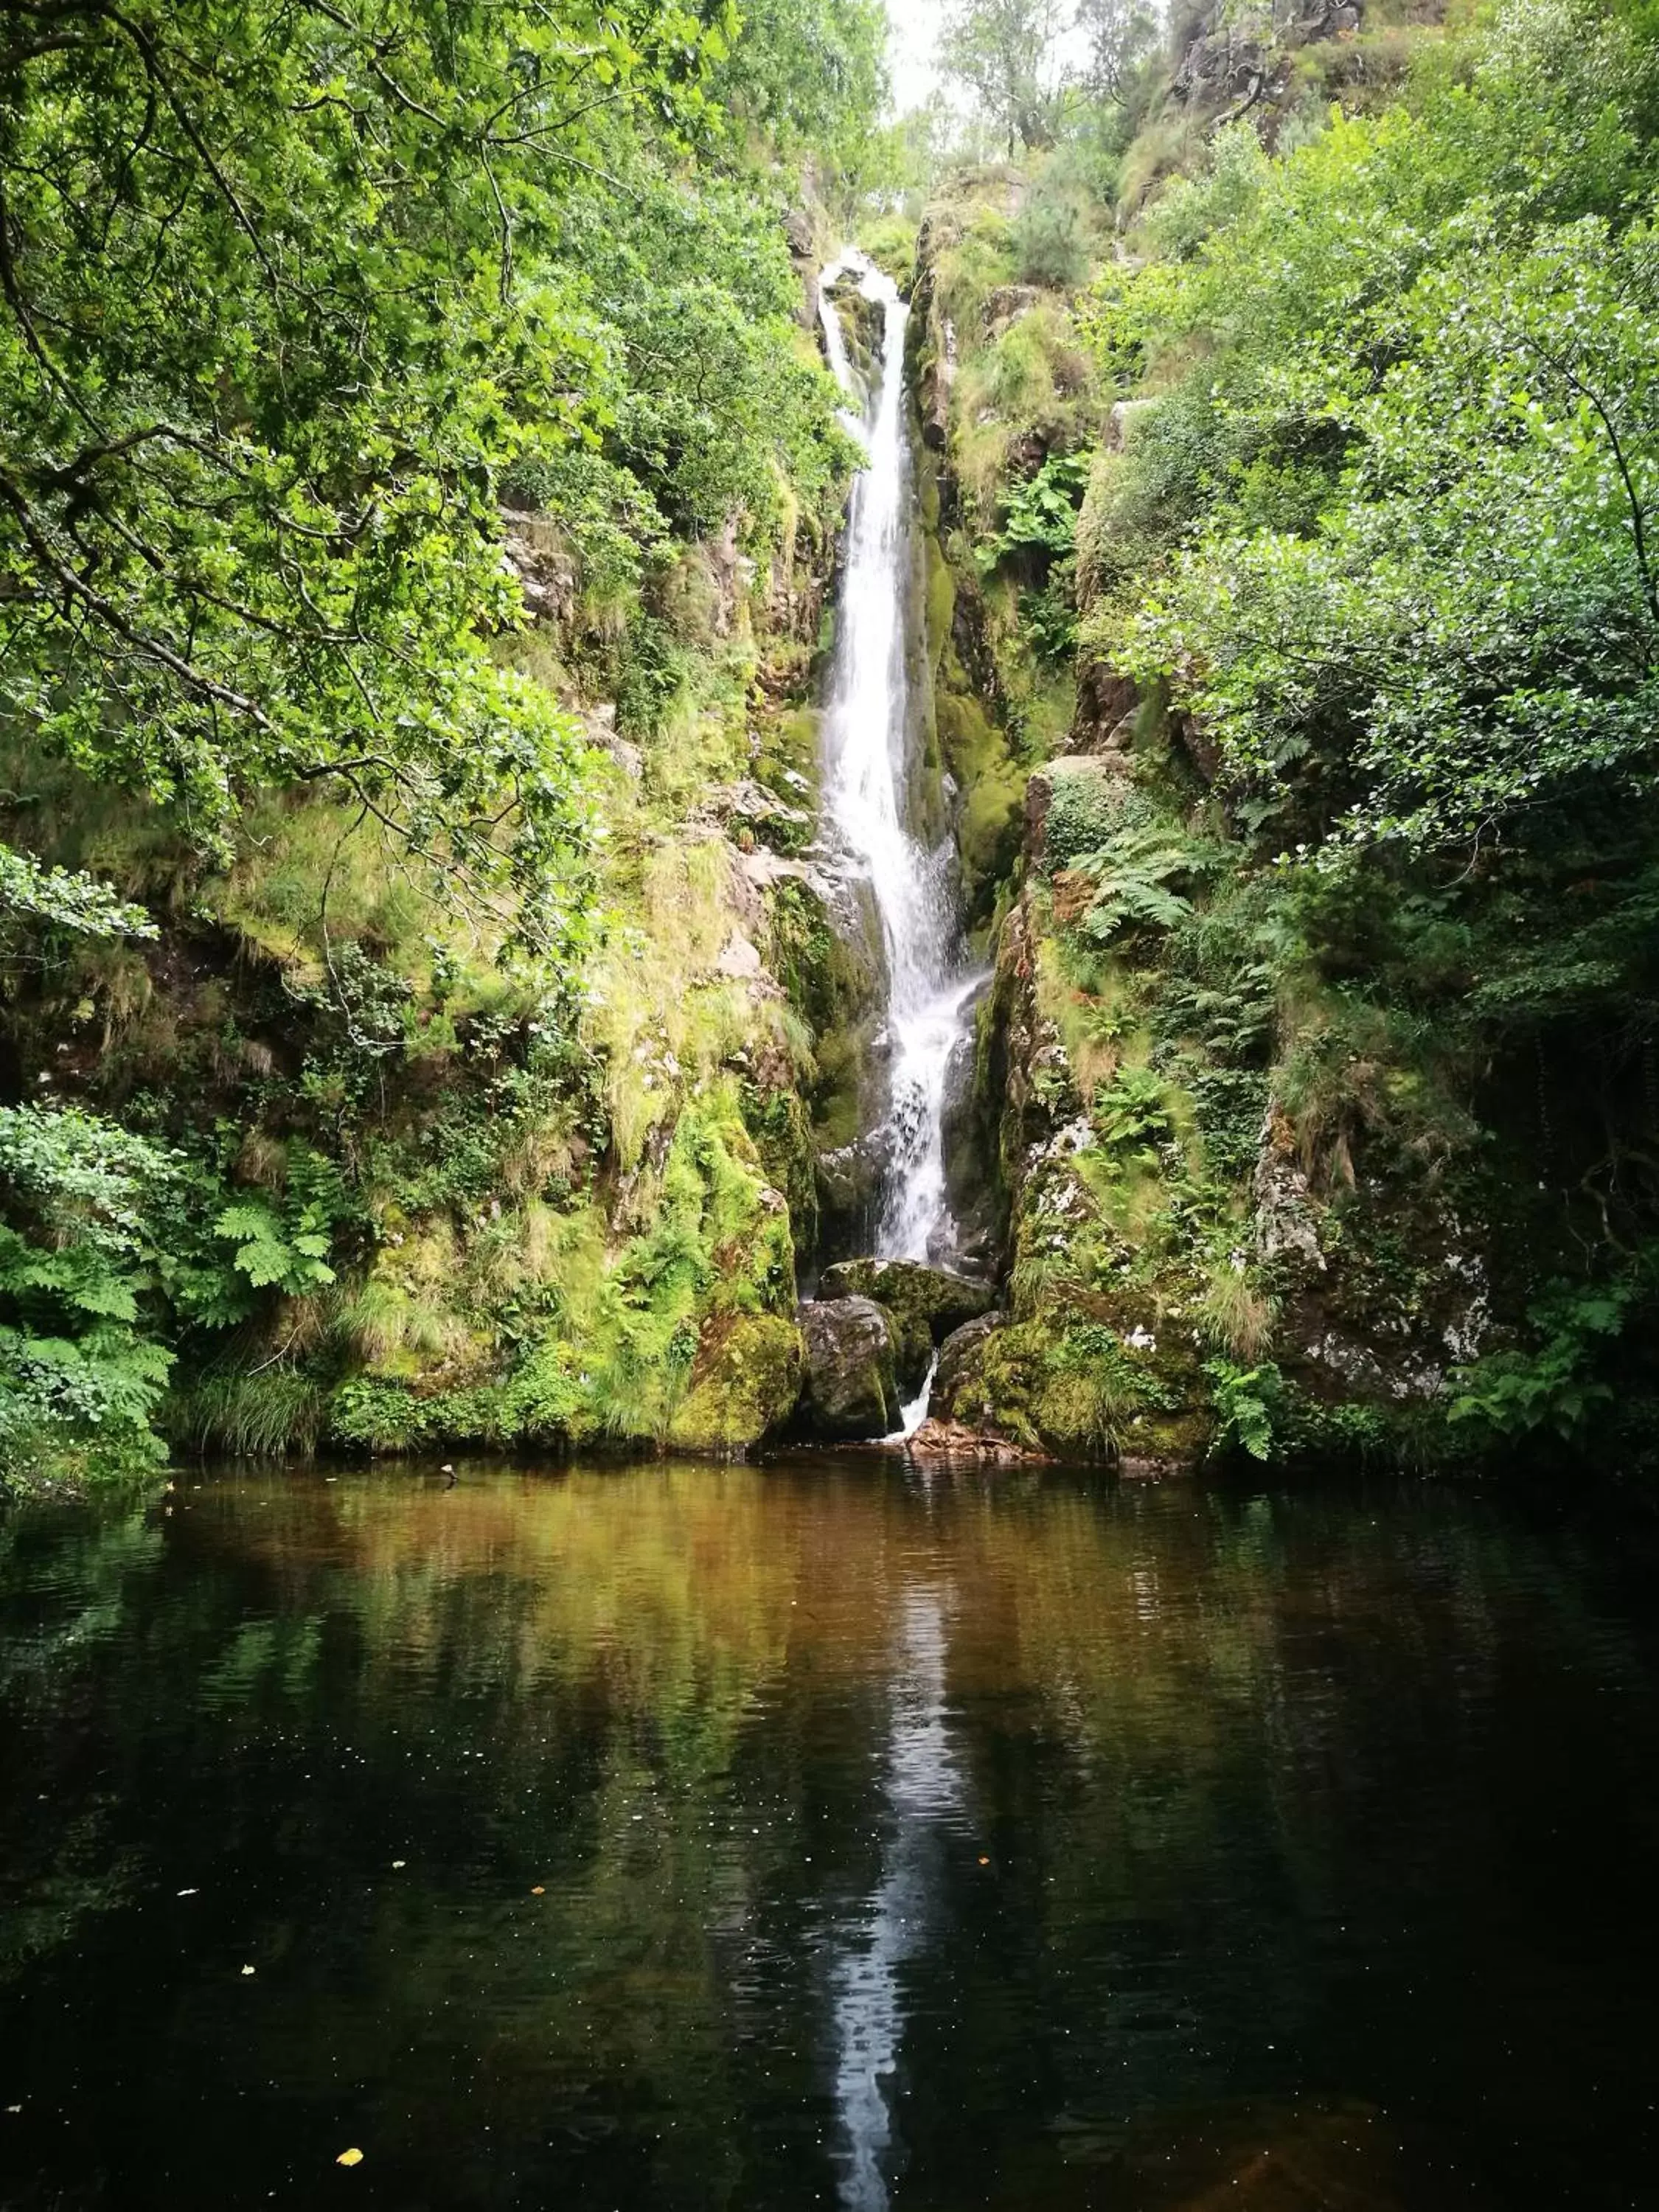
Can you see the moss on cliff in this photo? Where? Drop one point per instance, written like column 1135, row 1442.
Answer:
column 630, row 1339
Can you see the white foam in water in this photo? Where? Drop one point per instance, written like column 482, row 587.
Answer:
column 867, row 725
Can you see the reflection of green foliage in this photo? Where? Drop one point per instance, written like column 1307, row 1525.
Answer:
column 266, row 1658
column 639, row 1692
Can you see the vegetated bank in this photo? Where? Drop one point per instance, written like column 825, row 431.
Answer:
column 422, row 489
column 428, row 1020
column 1295, row 513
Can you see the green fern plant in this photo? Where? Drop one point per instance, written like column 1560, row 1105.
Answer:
column 1249, row 1403
column 1558, row 1384
column 1136, row 874
column 1042, row 514
column 78, row 1370
column 1132, row 1114
column 275, row 1255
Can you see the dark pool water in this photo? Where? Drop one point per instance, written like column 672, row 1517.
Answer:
column 825, row 1835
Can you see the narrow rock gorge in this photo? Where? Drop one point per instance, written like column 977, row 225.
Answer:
column 1065, row 707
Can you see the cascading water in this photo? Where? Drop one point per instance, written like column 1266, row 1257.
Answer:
column 868, row 736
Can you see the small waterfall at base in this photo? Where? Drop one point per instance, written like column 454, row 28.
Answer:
column 867, row 745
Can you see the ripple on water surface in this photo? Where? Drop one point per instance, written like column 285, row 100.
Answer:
column 677, row 1837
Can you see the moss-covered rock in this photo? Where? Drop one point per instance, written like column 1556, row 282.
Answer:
column 851, row 1389
column 1079, row 1390
column 992, row 784
column 863, row 323
column 1074, row 806
column 940, row 605
column 958, row 1366
column 849, row 1191
column 926, row 1305
column 745, row 1383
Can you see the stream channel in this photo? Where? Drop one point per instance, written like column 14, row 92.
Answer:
column 676, row 1838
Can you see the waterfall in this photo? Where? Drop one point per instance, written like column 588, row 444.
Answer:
column 867, row 743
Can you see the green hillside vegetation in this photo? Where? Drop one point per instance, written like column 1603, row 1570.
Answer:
column 418, row 491
column 1324, row 1015
column 424, row 1018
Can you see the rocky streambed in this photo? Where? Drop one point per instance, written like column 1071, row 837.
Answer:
column 878, row 1339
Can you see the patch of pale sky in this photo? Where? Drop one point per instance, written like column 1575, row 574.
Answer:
column 914, row 27
column 913, row 37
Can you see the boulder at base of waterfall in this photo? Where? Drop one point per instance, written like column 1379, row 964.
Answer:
column 926, row 1303
column 851, row 1389
column 959, row 1368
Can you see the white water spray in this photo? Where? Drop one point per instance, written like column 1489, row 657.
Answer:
column 867, row 737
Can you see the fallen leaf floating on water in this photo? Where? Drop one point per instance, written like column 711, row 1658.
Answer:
column 349, row 2158
column 539, row 1890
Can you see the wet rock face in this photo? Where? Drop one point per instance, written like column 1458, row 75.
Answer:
column 864, row 325
column 1285, row 1227
column 969, row 1127
column 1107, row 705
column 852, row 1389
column 849, row 1192
column 926, row 1304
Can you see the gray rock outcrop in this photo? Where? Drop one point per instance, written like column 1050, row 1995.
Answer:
column 852, row 1389
column 926, row 1304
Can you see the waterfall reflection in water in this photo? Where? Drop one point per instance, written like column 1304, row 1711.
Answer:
column 924, row 1793
column 683, row 1838
column 868, row 740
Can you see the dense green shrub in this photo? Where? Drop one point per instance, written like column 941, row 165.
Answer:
column 1050, row 245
